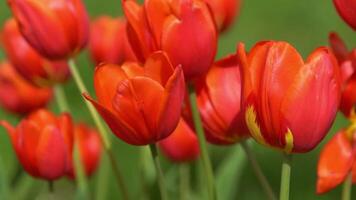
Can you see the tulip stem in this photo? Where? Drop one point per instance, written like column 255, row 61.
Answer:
column 258, row 171
column 61, row 98
column 184, row 175
column 208, row 170
column 346, row 189
column 285, row 177
column 101, row 128
column 51, row 186
column 160, row 177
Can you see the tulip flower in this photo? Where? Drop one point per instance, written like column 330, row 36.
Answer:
column 347, row 10
column 109, row 42
column 219, row 102
column 90, row 147
column 43, row 143
column 182, row 145
column 19, row 96
column 290, row 104
column 28, row 62
column 57, row 29
column 347, row 62
column 224, row 12
column 337, row 161
column 184, row 29
column 140, row 105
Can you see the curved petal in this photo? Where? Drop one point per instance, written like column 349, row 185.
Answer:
column 158, row 67
column 338, row 46
column 347, row 10
column 348, row 96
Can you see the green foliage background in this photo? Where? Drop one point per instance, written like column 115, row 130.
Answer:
column 303, row 23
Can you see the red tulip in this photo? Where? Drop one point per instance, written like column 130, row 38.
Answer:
column 89, row 147
column 184, row 29
column 19, row 96
column 290, row 104
column 347, row 10
column 219, row 101
column 336, row 161
column 182, row 145
column 141, row 105
column 109, row 42
column 43, row 143
column 27, row 61
column 224, row 12
column 57, row 29
column 347, row 62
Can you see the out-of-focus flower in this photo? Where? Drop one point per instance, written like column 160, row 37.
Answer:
column 57, row 29
column 184, row 29
column 219, row 101
column 290, row 104
column 182, row 145
column 337, row 161
column 90, row 147
column 109, row 42
column 347, row 10
column 27, row 61
column 224, row 12
column 43, row 143
column 19, row 96
column 347, row 62
column 142, row 105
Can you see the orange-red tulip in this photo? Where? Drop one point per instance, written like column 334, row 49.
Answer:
column 19, row 96
column 290, row 104
column 224, row 12
column 57, row 29
column 90, row 147
column 182, row 145
column 219, row 101
column 142, row 105
column 347, row 10
column 184, row 29
column 347, row 62
column 27, row 61
column 336, row 161
column 43, row 143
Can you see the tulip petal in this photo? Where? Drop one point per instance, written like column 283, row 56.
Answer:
column 348, row 98
column 338, row 46
column 158, row 67
column 132, row 69
column 335, row 163
column 347, row 10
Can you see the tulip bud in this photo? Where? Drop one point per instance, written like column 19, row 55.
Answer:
column 140, row 105
column 290, row 104
column 43, row 143
column 90, row 147
column 182, row 145
column 224, row 12
column 347, row 10
column 57, row 29
column 28, row 62
column 219, row 101
column 109, row 42
column 19, row 96
column 184, row 29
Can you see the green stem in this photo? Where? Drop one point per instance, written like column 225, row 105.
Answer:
column 203, row 147
column 51, row 186
column 160, row 178
column 285, row 177
column 103, row 178
column 258, row 171
column 100, row 126
column 61, row 98
column 346, row 189
column 184, row 183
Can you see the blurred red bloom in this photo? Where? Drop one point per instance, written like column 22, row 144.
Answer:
column 43, row 143
column 219, row 101
column 290, row 104
column 57, row 29
column 184, row 29
column 142, row 105
column 224, row 12
column 182, row 145
column 347, row 10
column 347, row 62
column 27, row 61
column 109, row 42
column 19, row 96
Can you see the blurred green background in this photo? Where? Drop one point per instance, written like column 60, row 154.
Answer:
column 303, row 23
